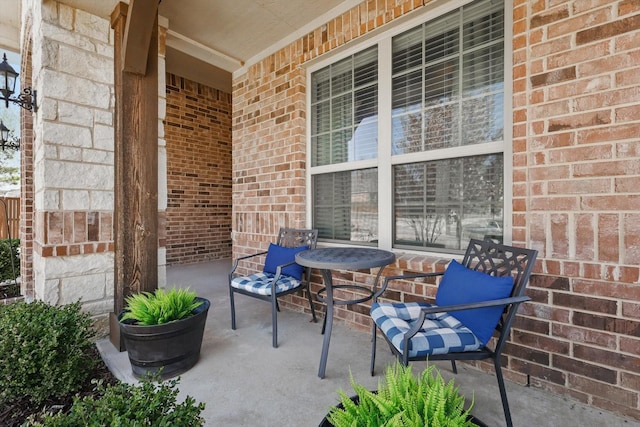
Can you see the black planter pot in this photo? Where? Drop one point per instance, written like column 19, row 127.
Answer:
column 325, row 422
column 173, row 346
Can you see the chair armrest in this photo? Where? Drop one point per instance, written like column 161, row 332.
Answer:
column 278, row 273
column 237, row 261
column 388, row 279
column 279, row 269
column 459, row 307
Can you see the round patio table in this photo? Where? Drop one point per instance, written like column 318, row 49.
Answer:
column 342, row 258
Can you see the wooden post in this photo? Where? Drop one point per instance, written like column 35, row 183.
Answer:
column 136, row 156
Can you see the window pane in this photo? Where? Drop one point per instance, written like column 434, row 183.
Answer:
column 346, row 205
column 342, row 76
column 339, row 145
column 483, row 119
column 483, row 71
column 321, row 112
column 407, row 50
column 407, row 92
column 341, row 110
column 321, row 149
column 484, row 23
column 441, row 83
column 345, row 105
column 447, row 91
column 456, row 81
column 406, row 133
column 365, row 67
column 320, row 86
column 441, row 125
column 364, row 144
column 444, row 203
column 442, row 40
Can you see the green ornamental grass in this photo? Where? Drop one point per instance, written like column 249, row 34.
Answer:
column 156, row 308
column 403, row 401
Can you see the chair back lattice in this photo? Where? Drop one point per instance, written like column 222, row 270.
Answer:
column 497, row 259
column 294, row 237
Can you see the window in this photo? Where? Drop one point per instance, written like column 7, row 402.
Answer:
column 413, row 124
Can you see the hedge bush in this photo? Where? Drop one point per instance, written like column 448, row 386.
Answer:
column 127, row 405
column 44, row 350
column 7, row 246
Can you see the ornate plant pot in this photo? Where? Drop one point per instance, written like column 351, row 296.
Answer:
column 173, row 346
column 326, row 423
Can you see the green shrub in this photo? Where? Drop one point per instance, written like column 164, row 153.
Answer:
column 403, row 400
column 145, row 404
column 44, row 350
column 160, row 307
column 6, row 270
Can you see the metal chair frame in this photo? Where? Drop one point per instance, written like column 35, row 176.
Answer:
column 491, row 258
column 287, row 237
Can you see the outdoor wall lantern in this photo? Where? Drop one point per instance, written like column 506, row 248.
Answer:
column 4, row 138
column 27, row 99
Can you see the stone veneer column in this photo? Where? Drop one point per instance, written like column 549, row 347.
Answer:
column 73, row 151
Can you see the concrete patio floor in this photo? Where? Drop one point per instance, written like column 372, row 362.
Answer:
column 244, row 381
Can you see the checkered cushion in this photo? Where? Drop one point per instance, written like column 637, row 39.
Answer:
column 441, row 333
column 260, row 283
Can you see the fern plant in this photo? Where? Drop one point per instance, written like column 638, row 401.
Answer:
column 403, row 401
column 156, row 308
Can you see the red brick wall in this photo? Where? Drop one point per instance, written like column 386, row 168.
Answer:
column 576, row 181
column 576, row 197
column 27, row 161
column 198, row 136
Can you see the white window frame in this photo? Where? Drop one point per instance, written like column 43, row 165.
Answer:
column 385, row 161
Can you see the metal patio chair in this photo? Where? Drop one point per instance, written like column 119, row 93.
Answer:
column 280, row 272
column 475, row 298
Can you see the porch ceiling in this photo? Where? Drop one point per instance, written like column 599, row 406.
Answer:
column 209, row 40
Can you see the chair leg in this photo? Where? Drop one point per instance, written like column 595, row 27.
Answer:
column 503, row 392
column 373, row 350
column 274, row 319
column 233, row 308
column 454, row 368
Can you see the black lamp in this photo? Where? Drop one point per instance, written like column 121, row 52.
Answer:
column 27, row 99
column 4, row 138
column 4, row 132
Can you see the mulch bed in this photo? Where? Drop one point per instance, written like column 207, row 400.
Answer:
column 15, row 413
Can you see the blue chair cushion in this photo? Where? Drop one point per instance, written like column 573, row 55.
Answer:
column 461, row 285
column 279, row 255
column 260, row 283
column 441, row 333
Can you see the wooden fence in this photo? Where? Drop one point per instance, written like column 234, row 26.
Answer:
column 13, row 213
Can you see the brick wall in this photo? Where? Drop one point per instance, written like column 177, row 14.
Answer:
column 26, row 176
column 576, row 197
column 576, row 157
column 198, row 137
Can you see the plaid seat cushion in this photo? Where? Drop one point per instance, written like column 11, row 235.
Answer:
column 441, row 333
column 260, row 283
